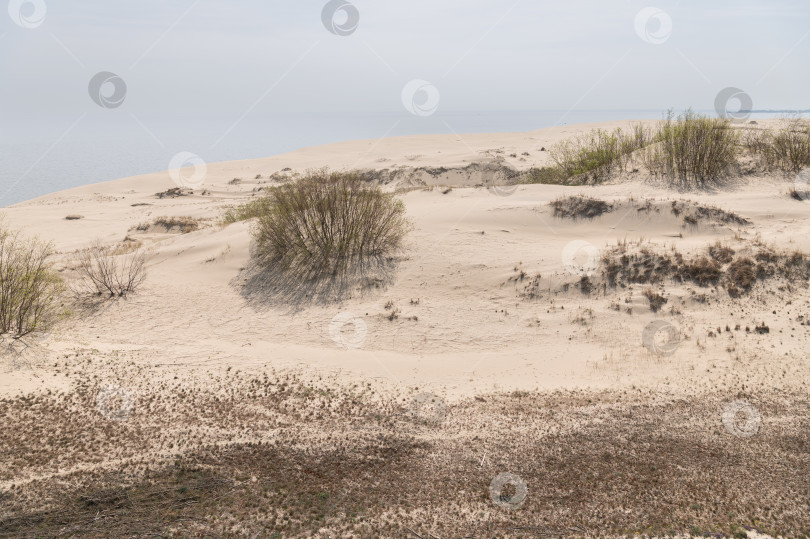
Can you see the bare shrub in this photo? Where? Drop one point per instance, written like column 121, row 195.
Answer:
column 327, row 221
column 109, row 270
column 30, row 290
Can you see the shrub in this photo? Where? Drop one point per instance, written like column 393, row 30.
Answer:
column 325, row 222
column 692, row 149
column 110, row 270
column 787, row 148
column 30, row 290
column 248, row 210
column 598, row 154
column 548, row 175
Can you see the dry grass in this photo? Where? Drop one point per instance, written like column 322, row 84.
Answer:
column 365, row 467
column 694, row 214
column 786, row 148
column 181, row 225
column 656, row 300
column 174, row 192
column 580, row 207
column 737, row 271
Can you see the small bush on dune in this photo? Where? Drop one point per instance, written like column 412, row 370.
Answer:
column 109, row 270
column 325, row 222
column 30, row 290
column 693, row 149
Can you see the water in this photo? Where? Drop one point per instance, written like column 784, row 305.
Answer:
column 41, row 157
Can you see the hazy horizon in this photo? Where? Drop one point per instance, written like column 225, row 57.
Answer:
column 93, row 89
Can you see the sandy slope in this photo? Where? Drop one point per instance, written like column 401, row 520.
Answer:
column 465, row 325
column 471, row 330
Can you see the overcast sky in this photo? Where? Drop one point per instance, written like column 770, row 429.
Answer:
column 261, row 56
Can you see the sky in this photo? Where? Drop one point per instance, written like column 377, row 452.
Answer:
column 229, row 59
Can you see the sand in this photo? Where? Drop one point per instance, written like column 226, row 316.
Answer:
column 466, row 326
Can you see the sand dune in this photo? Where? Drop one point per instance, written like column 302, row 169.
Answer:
column 486, row 297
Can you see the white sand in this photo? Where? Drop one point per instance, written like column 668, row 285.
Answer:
column 474, row 333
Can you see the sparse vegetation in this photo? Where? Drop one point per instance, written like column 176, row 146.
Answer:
column 655, row 299
column 737, row 271
column 692, row 149
column 548, row 175
column 174, row 192
column 580, row 207
column 182, row 225
column 786, row 148
column 328, row 221
column 30, row 289
column 337, row 462
column 109, row 270
column 253, row 208
column 594, row 156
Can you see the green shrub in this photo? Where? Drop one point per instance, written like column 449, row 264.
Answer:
column 30, row 290
column 596, row 155
column 324, row 222
column 692, row 149
column 253, row 208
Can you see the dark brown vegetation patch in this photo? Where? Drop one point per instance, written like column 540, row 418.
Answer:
column 174, row 192
column 737, row 271
column 694, row 214
column 580, row 207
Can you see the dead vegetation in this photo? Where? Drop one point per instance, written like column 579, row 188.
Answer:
column 109, row 270
column 175, row 192
column 656, row 300
column 632, row 464
column 694, row 214
column 169, row 225
column 736, row 271
column 580, row 207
